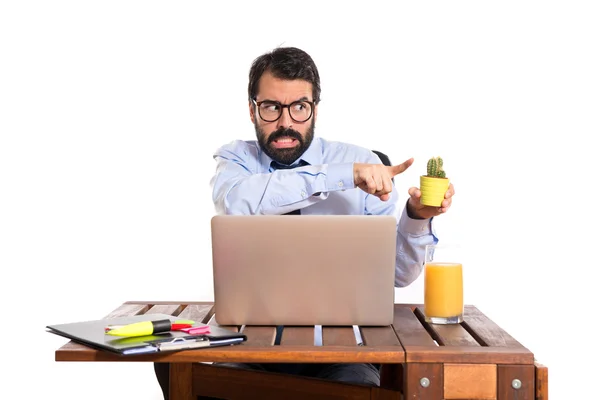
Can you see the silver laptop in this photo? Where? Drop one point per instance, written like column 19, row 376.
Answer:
column 304, row 270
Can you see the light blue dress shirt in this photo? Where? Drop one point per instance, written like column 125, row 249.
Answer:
column 245, row 183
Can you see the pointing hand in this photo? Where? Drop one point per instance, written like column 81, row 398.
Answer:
column 376, row 179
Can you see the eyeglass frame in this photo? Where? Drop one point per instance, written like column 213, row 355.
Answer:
column 282, row 106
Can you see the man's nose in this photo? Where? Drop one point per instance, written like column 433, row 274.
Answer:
column 285, row 120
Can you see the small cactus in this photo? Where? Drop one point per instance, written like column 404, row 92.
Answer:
column 435, row 167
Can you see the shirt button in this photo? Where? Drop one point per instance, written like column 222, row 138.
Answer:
column 340, row 184
column 303, row 193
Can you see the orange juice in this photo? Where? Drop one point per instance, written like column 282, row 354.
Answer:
column 443, row 290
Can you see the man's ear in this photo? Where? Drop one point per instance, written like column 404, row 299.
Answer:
column 315, row 112
column 252, row 112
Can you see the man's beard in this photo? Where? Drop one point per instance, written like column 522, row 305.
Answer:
column 288, row 155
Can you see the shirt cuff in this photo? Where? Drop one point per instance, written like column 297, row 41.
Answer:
column 340, row 176
column 415, row 227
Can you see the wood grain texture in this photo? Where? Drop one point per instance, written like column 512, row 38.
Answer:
column 233, row 383
column 541, row 381
column 487, row 330
column 468, row 355
column 385, row 394
column 379, row 336
column 447, row 335
column 392, row 376
column 127, row 310
column 408, row 328
column 259, row 336
column 298, row 336
column 524, row 373
column 245, row 353
column 170, row 309
column 412, row 381
column 407, row 347
column 338, row 336
column 197, row 312
column 180, row 382
column 470, row 381
column 454, row 335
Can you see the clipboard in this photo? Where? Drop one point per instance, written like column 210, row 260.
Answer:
column 92, row 334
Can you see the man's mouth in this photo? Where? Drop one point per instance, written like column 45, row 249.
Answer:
column 285, row 142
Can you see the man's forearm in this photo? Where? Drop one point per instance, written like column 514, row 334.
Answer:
column 274, row 193
column 411, row 239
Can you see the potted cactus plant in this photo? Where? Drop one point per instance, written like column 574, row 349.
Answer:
column 435, row 184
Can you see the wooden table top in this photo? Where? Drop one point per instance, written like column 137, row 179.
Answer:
column 409, row 339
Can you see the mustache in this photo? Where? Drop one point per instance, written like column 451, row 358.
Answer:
column 285, row 132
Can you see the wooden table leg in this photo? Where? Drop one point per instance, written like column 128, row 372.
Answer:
column 541, row 381
column 180, row 381
column 392, row 376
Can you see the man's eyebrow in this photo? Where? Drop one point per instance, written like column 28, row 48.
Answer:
column 303, row 98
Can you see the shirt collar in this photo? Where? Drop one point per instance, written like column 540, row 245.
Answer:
column 313, row 155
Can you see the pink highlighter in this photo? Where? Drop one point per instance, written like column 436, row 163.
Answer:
column 197, row 330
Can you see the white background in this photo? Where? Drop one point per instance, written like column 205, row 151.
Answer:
column 110, row 113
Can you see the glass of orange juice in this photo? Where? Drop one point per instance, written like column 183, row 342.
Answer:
column 443, row 284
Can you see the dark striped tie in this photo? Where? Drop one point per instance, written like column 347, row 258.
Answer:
column 291, row 368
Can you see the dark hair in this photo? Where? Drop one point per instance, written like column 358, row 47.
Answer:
column 285, row 63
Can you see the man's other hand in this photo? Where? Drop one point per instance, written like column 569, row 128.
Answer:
column 419, row 211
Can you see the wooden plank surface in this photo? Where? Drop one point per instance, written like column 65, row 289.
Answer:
column 253, row 351
column 298, row 336
column 338, row 336
column 453, row 335
column 409, row 329
column 446, row 335
column 170, row 309
column 381, row 344
column 476, row 341
column 244, row 353
column 198, row 312
column 468, row 354
column 126, row 310
column 486, row 330
column 259, row 336
column 379, row 336
column 473, row 341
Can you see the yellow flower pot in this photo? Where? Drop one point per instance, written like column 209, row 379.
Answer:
column 433, row 190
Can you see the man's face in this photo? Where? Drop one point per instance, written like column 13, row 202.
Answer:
column 284, row 140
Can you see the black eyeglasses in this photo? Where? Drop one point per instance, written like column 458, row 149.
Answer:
column 270, row 111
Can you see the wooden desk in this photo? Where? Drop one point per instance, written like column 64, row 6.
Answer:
column 473, row 360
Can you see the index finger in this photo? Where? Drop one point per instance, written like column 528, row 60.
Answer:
column 400, row 168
